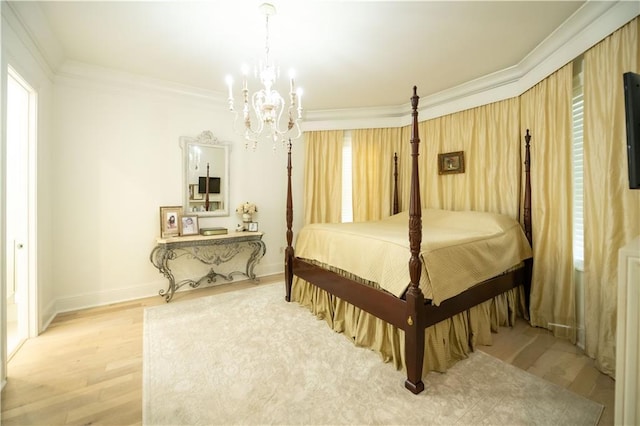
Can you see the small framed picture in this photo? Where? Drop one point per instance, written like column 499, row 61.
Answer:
column 169, row 217
column 451, row 162
column 253, row 227
column 193, row 192
column 189, row 225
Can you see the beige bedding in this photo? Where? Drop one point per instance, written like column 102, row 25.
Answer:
column 459, row 250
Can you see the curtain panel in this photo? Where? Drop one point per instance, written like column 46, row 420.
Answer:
column 323, row 176
column 611, row 210
column 373, row 151
column 489, row 137
column 546, row 111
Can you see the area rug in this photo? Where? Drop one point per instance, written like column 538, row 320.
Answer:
column 249, row 357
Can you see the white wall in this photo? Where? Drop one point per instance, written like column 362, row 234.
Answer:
column 116, row 160
column 19, row 53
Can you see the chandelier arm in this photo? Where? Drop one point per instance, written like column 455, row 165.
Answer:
column 256, row 109
column 280, row 109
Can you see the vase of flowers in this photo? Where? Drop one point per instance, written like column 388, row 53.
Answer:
column 246, row 210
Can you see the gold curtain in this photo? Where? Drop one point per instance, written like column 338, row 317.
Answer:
column 373, row 151
column 612, row 210
column 323, row 176
column 489, row 137
column 546, row 111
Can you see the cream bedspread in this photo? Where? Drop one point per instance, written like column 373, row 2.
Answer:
column 459, row 250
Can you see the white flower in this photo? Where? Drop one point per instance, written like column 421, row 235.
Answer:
column 247, row 207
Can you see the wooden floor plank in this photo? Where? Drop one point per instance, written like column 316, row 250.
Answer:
column 86, row 368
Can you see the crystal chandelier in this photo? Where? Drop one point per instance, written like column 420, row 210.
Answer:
column 263, row 111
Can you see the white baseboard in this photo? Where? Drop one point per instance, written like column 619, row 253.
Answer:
column 47, row 315
column 105, row 297
column 101, row 298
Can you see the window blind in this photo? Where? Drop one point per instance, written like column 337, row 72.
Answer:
column 578, row 167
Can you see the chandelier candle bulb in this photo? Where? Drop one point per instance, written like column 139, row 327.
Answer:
column 229, row 81
column 245, row 72
column 299, row 95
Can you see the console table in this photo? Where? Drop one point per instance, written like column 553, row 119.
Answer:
column 210, row 250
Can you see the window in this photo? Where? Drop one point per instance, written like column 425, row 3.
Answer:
column 347, row 180
column 578, row 165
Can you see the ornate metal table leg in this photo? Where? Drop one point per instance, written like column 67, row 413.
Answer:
column 160, row 257
column 259, row 249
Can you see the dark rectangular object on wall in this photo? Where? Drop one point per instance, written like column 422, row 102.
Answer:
column 632, row 115
column 214, row 185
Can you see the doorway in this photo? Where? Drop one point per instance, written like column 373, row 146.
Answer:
column 20, row 211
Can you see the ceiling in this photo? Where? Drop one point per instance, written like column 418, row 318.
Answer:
column 347, row 54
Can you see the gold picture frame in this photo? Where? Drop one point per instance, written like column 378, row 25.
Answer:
column 194, row 194
column 169, row 221
column 451, row 162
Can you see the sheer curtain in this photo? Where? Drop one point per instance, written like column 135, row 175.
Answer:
column 546, row 111
column 373, row 151
column 323, row 176
column 612, row 210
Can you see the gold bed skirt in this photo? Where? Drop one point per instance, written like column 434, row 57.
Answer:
column 446, row 342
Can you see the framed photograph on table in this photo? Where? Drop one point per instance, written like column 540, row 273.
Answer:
column 169, row 221
column 451, row 162
column 189, row 225
column 253, row 227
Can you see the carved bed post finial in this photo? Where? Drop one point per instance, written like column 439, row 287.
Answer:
column 396, row 204
column 415, row 208
column 414, row 332
column 527, row 188
column 288, row 254
column 206, row 191
column 528, row 222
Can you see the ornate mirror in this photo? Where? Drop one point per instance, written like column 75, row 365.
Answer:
column 205, row 163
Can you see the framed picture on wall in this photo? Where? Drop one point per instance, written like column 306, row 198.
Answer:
column 169, row 221
column 189, row 225
column 451, row 162
column 194, row 194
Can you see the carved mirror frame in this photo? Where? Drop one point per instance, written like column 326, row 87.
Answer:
column 204, row 156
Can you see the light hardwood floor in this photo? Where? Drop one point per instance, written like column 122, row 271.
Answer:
column 86, row 368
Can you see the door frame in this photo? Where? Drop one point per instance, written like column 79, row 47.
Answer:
column 29, row 319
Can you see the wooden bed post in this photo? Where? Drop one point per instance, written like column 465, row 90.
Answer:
column 528, row 264
column 396, row 204
column 288, row 254
column 415, row 314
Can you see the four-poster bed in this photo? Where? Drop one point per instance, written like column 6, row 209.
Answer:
column 405, row 307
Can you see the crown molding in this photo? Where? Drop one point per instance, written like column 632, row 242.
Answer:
column 594, row 21
column 87, row 76
column 29, row 23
